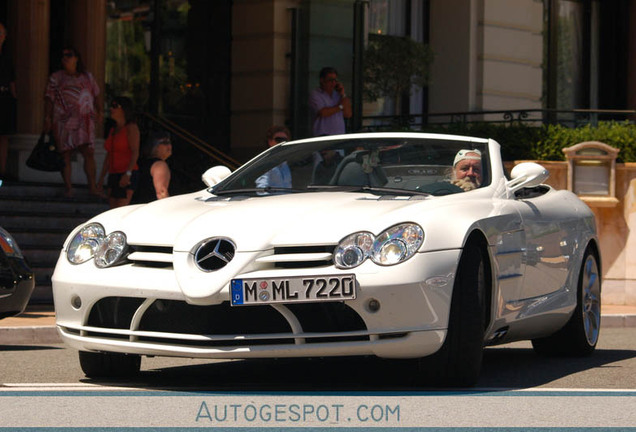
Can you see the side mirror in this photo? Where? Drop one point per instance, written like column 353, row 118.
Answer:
column 215, row 174
column 526, row 175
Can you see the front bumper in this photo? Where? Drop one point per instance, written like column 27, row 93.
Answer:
column 135, row 310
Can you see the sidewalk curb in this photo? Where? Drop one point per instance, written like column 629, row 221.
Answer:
column 49, row 335
column 29, row 335
column 618, row 320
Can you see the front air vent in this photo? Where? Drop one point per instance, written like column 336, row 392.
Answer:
column 151, row 256
column 299, row 257
column 214, row 254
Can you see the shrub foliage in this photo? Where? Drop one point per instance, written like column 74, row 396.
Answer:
column 520, row 141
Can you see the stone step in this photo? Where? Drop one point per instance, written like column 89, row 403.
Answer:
column 16, row 221
column 43, row 274
column 42, row 294
column 37, row 237
column 42, row 256
column 20, row 189
column 42, row 190
column 39, row 205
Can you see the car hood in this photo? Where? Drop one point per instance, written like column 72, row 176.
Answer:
column 258, row 223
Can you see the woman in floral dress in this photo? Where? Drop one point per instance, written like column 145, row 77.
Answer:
column 72, row 108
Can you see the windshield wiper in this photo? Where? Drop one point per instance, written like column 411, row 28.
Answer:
column 261, row 190
column 371, row 189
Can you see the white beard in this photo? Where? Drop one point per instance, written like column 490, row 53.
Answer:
column 466, row 183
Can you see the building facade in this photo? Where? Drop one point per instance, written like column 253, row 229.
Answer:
column 228, row 69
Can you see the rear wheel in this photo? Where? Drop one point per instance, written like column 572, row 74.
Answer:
column 458, row 362
column 109, row 365
column 580, row 335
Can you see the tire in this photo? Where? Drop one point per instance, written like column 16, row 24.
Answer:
column 458, row 361
column 580, row 335
column 109, row 365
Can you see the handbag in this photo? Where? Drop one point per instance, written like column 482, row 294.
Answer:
column 44, row 156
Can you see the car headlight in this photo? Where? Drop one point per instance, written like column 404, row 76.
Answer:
column 85, row 243
column 111, row 250
column 353, row 250
column 9, row 245
column 392, row 246
column 397, row 244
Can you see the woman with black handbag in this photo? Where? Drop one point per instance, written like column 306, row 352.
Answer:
column 71, row 110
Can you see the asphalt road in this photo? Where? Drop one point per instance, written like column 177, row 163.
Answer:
column 517, row 389
column 512, row 366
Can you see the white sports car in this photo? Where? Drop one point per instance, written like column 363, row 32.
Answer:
column 396, row 245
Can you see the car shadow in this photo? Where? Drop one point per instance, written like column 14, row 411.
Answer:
column 523, row 368
column 509, row 368
column 328, row 374
column 28, row 347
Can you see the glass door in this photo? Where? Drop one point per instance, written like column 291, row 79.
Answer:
column 172, row 57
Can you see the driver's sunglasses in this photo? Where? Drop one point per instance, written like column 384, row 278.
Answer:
column 68, row 54
column 280, row 139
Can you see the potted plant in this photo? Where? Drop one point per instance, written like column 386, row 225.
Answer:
column 394, row 66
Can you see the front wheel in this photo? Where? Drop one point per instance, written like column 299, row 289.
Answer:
column 109, row 365
column 458, row 361
column 580, row 335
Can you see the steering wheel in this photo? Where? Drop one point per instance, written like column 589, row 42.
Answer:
column 439, row 188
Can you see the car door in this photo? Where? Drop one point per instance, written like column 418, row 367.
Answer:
column 550, row 241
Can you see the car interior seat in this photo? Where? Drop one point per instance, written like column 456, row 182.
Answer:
column 350, row 172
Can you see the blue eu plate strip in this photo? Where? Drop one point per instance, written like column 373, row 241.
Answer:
column 237, row 291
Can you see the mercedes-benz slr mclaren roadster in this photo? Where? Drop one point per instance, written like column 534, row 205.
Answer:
column 396, row 245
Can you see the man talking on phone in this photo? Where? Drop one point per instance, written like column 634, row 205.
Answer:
column 329, row 104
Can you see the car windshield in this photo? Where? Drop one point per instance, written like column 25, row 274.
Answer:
column 403, row 166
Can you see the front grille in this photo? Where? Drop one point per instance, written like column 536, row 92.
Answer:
column 179, row 317
column 151, row 256
column 223, row 325
column 291, row 257
column 114, row 312
column 327, row 317
column 283, row 257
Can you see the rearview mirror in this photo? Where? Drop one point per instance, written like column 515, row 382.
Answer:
column 215, row 175
column 526, row 175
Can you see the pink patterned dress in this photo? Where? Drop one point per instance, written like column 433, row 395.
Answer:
column 73, row 98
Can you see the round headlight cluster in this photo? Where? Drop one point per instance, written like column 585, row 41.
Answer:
column 111, row 249
column 353, row 249
column 85, row 243
column 91, row 242
column 393, row 246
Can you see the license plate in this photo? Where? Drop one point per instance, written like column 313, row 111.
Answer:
column 292, row 290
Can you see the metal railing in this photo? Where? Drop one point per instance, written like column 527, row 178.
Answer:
column 191, row 155
column 571, row 118
column 181, row 133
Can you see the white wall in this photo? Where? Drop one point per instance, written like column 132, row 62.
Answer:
column 512, row 54
column 488, row 55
